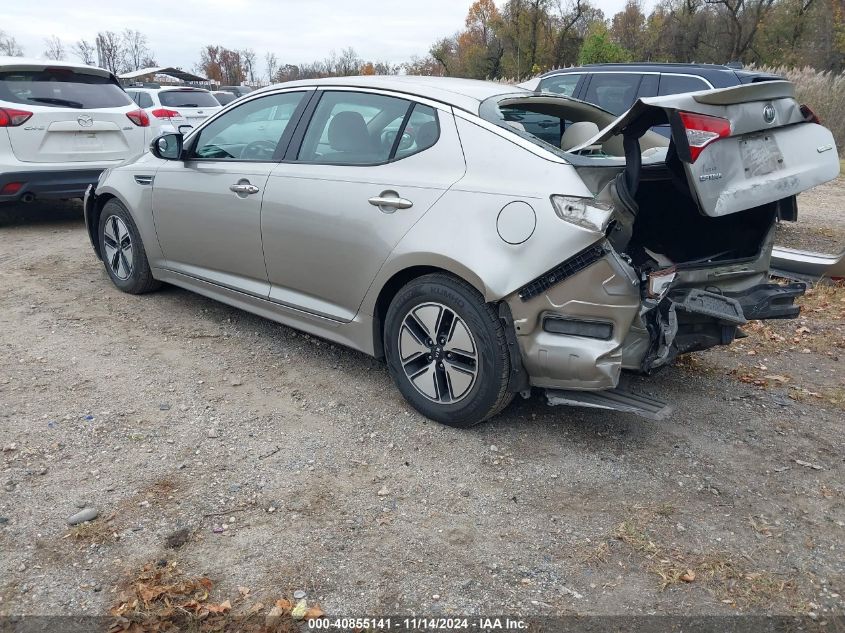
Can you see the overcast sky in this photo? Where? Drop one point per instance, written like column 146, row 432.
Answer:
column 296, row 30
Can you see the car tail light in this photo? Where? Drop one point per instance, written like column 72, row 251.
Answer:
column 139, row 117
column 11, row 188
column 809, row 115
column 702, row 130
column 164, row 113
column 9, row 117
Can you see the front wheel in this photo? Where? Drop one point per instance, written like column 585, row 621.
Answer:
column 123, row 251
column 447, row 352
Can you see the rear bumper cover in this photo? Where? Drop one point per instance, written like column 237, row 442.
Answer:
column 49, row 184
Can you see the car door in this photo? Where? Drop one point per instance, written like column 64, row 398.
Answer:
column 369, row 165
column 207, row 207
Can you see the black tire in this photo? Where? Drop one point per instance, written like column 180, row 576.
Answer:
column 128, row 267
column 488, row 393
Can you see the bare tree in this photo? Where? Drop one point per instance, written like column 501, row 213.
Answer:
column 744, row 19
column 110, row 51
column 55, row 48
column 9, row 45
column 135, row 49
column 85, row 51
column 248, row 59
column 271, row 63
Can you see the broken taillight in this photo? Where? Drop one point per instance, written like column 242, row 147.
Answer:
column 702, row 130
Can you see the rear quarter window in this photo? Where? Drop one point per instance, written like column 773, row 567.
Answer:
column 61, row 88
column 677, row 84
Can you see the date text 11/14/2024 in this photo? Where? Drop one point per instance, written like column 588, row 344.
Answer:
column 384, row 623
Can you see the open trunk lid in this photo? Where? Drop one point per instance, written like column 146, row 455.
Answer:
column 740, row 147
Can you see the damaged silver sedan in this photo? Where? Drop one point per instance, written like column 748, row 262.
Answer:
column 482, row 239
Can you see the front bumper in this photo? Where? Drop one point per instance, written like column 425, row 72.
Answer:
column 51, row 185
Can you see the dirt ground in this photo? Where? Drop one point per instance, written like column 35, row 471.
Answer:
column 169, row 411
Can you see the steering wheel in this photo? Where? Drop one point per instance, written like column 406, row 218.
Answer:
column 259, row 150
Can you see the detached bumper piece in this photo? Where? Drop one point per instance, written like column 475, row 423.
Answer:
column 571, row 266
column 612, row 400
column 770, row 301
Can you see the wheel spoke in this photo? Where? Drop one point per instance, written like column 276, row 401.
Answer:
column 438, row 353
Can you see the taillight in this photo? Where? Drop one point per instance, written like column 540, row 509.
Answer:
column 164, row 113
column 139, row 117
column 702, row 130
column 9, row 117
column 809, row 115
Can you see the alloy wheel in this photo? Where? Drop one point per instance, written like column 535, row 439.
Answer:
column 438, row 353
column 118, row 246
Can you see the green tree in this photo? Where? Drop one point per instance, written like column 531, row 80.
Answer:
column 598, row 48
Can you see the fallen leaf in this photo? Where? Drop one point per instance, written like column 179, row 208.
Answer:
column 284, row 604
column 688, row 576
column 777, row 378
column 314, row 613
column 223, row 607
column 244, row 591
column 299, row 610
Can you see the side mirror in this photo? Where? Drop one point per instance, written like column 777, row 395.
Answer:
column 185, row 128
column 167, row 146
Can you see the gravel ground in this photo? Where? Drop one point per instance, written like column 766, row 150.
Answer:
column 169, row 411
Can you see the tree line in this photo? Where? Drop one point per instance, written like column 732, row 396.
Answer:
column 521, row 38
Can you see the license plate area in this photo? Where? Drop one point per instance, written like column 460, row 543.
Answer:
column 760, row 154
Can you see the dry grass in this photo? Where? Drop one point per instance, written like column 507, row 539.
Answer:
column 726, row 576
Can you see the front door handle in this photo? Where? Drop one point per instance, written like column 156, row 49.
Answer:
column 389, row 201
column 243, row 188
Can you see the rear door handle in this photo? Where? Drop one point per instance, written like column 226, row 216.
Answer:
column 389, row 201
column 243, row 188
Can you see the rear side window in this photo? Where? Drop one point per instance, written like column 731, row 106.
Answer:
column 676, row 84
column 143, row 99
column 355, row 128
column 61, row 88
column 187, row 99
column 561, row 84
column 615, row 92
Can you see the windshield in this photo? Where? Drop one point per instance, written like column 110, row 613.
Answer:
column 61, row 88
column 187, row 99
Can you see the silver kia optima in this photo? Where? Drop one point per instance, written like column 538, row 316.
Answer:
column 483, row 239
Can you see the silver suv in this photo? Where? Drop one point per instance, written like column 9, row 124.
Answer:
column 415, row 219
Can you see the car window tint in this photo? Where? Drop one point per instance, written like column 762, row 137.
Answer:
column 615, row 92
column 61, row 88
column 144, row 100
column 187, row 99
column 676, row 84
column 353, row 128
column 420, row 133
column 560, row 84
column 251, row 131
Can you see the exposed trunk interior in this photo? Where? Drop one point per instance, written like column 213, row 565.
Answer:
column 669, row 223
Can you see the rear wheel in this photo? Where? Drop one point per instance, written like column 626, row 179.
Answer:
column 446, row 351
column 123, row 251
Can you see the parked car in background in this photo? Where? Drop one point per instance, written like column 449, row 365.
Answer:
column 615, row 87
column 238, row 91
column 408, row 218
column 61, row 124
column 172, row 107
column 223, row 97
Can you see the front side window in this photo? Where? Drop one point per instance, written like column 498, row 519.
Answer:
column 355, row 128
column 251, row 131
column 61, row 88
column 615, row 92
column 560, row 84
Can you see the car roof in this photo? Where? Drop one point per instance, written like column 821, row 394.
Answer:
column 166, row 89
column 465, row 94
column 688, row 68
column 31, row 63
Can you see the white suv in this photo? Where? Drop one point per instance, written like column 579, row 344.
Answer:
column 174, row 107
column 61, row 124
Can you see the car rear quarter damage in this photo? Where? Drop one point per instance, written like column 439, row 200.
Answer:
column 682, row 236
